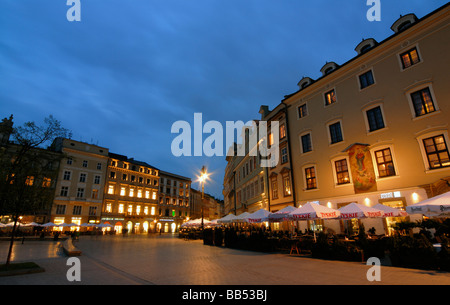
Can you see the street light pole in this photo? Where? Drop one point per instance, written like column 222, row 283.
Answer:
column 203, row 177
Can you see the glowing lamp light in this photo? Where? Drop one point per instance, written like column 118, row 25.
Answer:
column 415, row 197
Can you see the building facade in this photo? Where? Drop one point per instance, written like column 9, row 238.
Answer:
column 209, row 207
column 131, row 195
column 81, row 180
column 174, row 201
column 245, row 180
column 376, row 129
column 279, row 176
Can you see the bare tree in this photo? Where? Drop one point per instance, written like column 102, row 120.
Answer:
column 28, row 170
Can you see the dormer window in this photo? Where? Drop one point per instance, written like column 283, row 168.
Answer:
column 304, row 82
column 365, row 45
column 328, row 68
column 403, row 23
column 404, row 26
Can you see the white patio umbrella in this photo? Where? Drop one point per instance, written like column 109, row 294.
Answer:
column 49, row 224
column 34, row 224
column 258, row 216
column 390, row 211
column 438, row 206
column 355, row 210
column 227, row 219
column 68, row 225
column 282, row 214
column 213, row 222
column 87, row 225
column 104, row 225
column 313, row 211
column 192, row 222
column 241, row 217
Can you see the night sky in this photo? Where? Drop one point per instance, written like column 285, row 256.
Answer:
column 129, row 69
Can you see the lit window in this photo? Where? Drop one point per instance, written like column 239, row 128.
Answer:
column 121, row 208
column 410, row 58
column 131, row 192
column 154, row 196
column 46, row 182
column 422, row 102
column 385, row 163
column 111, row 189
column 94, row 194
column 108, row 208
column 342, row 174
column 138, row 209
column 437, row 152
column 147, row 194
column 139, row 193
column 330, row 97
column 130, row 209
column 310, row 174
column 302, row 111
column 122, row 191
column 152, row 211
column 286, row 186
column 146, row 210
column 282, row 131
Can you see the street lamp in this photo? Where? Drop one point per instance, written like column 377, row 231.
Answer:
column 202, row 179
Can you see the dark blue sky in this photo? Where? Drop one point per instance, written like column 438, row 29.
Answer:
column 123, row 75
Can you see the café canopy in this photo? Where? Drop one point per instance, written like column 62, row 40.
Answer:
column 282, row 214
column 355, row 210
column 258, row 216
column 438, row 206
column 312, row 211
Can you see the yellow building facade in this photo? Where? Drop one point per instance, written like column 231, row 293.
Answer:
column 376, row 129
column 80, row 185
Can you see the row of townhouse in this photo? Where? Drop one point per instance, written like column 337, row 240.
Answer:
column 372, row 130
column 97, row 186
column 91, row 185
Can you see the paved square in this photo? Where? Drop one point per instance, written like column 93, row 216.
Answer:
column 168, row 260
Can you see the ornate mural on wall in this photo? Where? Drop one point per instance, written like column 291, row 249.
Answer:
column 361, row 167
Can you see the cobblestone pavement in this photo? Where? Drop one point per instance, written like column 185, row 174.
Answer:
column 168, row 260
